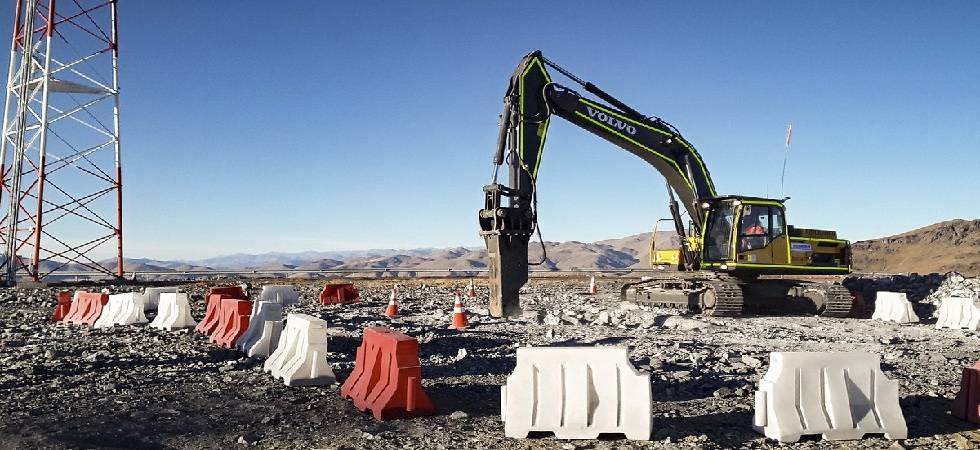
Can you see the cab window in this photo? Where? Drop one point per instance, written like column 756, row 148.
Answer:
column 778, row 223
column 718, row 236
column 760, row 225
column 754, row 228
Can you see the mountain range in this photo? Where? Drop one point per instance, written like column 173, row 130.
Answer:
column 941, row 247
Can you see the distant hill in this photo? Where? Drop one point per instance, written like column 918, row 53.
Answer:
column 242, row 260
column 953, row 245
column 578, row 255
column 320, row 264
column 947, row 246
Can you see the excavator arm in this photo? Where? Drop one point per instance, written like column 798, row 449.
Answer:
column 531, row 100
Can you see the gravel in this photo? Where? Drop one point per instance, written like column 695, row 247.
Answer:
column 133, row 386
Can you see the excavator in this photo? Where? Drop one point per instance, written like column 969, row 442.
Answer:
column 737, row 253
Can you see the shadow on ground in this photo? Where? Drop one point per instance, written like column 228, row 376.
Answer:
column 480, row 400
column 928, row 416
column 722, row 429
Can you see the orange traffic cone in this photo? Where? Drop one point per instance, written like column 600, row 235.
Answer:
column 459, row 314
column 593, row 288
column 392, row 309
column 471, row 290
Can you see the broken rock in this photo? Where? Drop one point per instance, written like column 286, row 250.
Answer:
column 751, row 361
column 685, row 324
column 603, row 318
column 532, row 316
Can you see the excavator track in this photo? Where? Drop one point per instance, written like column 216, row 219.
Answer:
column 710, row 293
column 722, row 295
column 838, row 302
column 728, row 299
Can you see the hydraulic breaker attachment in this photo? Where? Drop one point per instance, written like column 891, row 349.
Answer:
column 508, row 272
column 506, row 231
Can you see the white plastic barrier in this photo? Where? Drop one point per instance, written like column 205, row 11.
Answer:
column 576, row 393
column 267, row 341
column 958, row 312
column 894, row 307
column 279, row 293
column 151, row 296
column 174, row 312
column 300, row 358
column 264, row 329
column 838, row 395
column 110, row 310
column 122, row 309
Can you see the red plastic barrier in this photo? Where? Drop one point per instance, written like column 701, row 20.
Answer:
column 212, row 315
column 63, row 307
column 235, row 315
column 74, row 310
column 339, row 294
column 966, row 405
column 227, row 291
column 387, row 378
column 86, row 309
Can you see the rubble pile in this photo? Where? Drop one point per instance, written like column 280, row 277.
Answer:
column 955, row 285
column 915, row 286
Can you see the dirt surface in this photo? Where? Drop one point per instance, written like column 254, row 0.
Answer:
column 137, row 387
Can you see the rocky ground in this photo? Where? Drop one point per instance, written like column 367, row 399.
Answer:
column 133, row 386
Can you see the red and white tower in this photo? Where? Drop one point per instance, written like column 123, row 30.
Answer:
column 61, row 201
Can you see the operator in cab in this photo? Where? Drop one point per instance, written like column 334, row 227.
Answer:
column 753, row 233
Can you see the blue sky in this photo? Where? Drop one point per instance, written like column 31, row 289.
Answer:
column 352, row 125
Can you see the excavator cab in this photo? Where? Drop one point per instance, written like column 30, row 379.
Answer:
column 750, row 235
